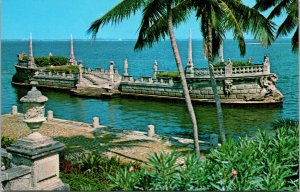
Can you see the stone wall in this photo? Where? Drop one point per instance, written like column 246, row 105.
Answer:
column 248, row 88
column 58, row 82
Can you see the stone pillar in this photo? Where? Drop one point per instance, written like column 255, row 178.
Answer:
column 228, row 68
column 111, row 71
column 80, row 72
column 151, row 131
column 14, row 110
column 96, row 122
column 266, row 69
column 49, row 115
column 38, row 152
column 189, row 71
column 213, row 140
column 125, row 67
column 155, row 66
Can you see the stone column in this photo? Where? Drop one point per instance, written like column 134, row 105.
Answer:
column 155, row 66
column 96, row 122
column 125, row 67
column 14, row 110
column 111, row 71
column 151, row 131
column 266, row 69
column 80, row 72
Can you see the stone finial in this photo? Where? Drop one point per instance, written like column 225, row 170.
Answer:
column 50, row 54
column 96, row 122
column 125, row 67
column 190, row 51
column 72, row 60
column 14, row 110
column 151, row 131
column 31, row 63
column 155, row 66
column 221, row 54
column 190, row 66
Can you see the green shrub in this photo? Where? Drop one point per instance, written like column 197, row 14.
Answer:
column 6, row 142
column 47, row 61
column 266, row 162
column 172, row 74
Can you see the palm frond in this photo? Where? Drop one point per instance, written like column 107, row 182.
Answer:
column 279, row 8
column 263, row 5
column 295, row 41
column 154, row 24
column 288, row 25
column 117, row 14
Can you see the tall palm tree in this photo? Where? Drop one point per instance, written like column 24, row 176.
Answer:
column 159, row 15
column 217, row 16
column 291, row 21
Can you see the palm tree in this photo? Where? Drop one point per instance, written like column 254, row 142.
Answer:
column 158, row 19
column 291, row 21
column 217, row 16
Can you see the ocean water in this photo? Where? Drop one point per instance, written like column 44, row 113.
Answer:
column 169, row 118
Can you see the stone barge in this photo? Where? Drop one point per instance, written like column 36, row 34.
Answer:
column 251, row 84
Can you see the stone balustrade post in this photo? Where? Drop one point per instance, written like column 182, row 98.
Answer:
column 155, row 66
column 228, row 68
column 14, row 110
column 96, row 122
column 49, row 115
column 266, row 64
column 111, row 71
column 125, row 67
column 151, row 131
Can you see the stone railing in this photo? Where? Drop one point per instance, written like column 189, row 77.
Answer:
column 46, row 73
column 149, row 80
column 230, row 71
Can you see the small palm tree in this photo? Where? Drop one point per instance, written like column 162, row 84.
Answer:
column 291, row 21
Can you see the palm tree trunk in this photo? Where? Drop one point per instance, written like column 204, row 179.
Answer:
column 213, row 82
column 183, row 82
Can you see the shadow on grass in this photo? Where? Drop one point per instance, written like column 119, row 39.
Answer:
column 100, row 143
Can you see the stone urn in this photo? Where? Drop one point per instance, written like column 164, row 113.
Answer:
column 34, row 108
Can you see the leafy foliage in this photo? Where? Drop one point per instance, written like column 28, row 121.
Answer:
column 6, row 142
column 47, row 61
column 267, row 162
column 291, row 22
column 172, row 74
column 89, row 171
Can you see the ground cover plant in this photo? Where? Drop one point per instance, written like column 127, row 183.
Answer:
column 65, row 68
column 171, row 74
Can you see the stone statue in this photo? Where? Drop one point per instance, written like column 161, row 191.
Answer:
column 227, row 87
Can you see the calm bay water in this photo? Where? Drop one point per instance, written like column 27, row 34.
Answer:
column 169, row 118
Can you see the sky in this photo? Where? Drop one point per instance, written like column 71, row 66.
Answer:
column 57, row 19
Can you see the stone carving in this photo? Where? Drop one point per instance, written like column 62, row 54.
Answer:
column 20, row 56
column 227, row 87
column 269, row 90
